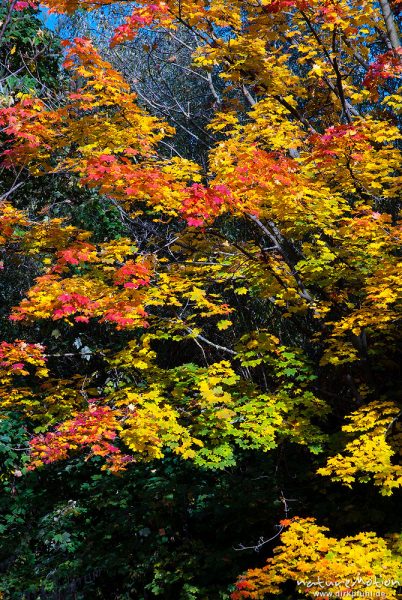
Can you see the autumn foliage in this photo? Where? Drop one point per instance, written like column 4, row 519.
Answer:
column 277, row 262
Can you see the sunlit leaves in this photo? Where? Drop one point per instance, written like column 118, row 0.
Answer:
column 368, row 456
column 317, row 562
column 262, row 301
column 94, row 429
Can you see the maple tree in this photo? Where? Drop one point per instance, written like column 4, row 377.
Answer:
column 318, row 562
column 277, row 263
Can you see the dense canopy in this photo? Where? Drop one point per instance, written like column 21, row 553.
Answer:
column 200, row 351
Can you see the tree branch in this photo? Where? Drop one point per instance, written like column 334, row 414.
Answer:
column 390, row 24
